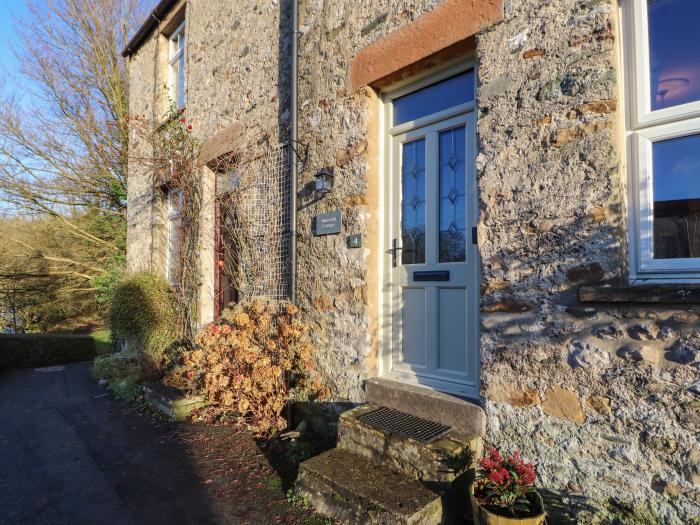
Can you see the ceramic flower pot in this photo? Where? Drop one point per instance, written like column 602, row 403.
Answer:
column 483, row 516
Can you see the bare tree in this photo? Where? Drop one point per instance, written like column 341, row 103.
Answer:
column 64, row 133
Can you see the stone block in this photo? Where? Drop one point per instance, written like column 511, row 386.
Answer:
column 641, row 352
column 172, row 402
column 686, row 350
column 355, row 490
column 642, row 332
column 533, row 53
column 463, row 415
column 587, row 355
column 454, row 22
column 609, row 332
column 436, row 464
column 587, row 273
column 563, row 404
column 508, row 305
column 509, row 391
column 600, row 404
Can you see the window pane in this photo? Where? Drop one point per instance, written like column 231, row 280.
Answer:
column 443, row 95
column 181, row 82
column 676, row 181
column 674, row 48
column 453, row 218
column 413, row 202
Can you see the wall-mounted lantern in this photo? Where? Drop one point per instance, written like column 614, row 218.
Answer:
column 324, row 181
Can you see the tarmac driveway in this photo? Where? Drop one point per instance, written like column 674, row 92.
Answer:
column 70, row 453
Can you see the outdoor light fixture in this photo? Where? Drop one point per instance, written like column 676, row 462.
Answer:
column 324, row 181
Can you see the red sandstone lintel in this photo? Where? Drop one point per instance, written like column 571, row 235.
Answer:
column 453, row 22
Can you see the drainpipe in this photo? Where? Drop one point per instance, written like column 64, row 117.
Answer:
column 295, row 159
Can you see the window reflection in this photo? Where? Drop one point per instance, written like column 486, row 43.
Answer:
column 437, row 97
column 674, row 48
column 676, row 180
column 413, row 202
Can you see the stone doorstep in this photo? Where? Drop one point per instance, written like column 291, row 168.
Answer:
column 436, row 464
column 464, row 416
column 170, row 401
column 355, row 490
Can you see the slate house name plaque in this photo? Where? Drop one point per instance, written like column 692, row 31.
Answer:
column 328, row 223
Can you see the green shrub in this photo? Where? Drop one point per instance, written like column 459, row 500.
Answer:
column 143, row 314
column 35, row 350
column 103, row 342
column 117, row 366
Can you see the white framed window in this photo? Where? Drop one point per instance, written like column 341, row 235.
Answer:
column 176, row 66
column 661, row 55
column 174, row 199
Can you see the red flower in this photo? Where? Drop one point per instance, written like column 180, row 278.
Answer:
column 505, row 480
column 214, row 328
column 499, row 477
column 189, row 127
column 487, row 464
column 495, row 455
column 183, row 120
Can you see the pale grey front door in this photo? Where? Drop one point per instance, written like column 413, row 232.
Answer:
column 433, row 264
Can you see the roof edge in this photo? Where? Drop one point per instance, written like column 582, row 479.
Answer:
column 156, row 16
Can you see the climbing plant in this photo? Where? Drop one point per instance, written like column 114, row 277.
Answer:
column 169, row 150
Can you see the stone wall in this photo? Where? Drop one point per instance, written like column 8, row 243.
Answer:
column 339, row 286
column 605, row 394
column 234, row 75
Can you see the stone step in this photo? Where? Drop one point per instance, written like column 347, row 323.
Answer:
column 436, row 464
column 355, row 490
column 172, row 402
column 463, row 415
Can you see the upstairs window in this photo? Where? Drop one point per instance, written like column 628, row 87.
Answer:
column 176, row 66
column 663, row 132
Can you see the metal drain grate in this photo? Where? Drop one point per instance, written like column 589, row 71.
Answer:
column 404, row 424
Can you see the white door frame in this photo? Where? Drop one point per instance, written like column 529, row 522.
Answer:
column 469, row 386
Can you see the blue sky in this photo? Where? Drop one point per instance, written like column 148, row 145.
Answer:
column 8, row 38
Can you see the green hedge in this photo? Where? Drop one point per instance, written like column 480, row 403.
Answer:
column 34, row 350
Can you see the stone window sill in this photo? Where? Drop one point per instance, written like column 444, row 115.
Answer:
column 640, row 294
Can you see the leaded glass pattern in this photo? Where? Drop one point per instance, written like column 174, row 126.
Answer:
column 413, row 202
column 452, row 192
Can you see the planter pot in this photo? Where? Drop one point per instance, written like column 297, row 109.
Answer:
column 483, row 516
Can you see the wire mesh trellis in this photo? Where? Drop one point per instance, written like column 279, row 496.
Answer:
column 253, row 195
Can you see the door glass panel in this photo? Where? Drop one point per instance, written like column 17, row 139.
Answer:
column 676, row 182
column 453, row 216
column 413, row 202
column 674, row 48
column 437, row 97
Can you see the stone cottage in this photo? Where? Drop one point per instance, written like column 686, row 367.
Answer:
column 493, row 225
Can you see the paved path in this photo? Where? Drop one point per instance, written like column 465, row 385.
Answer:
column 70, row 453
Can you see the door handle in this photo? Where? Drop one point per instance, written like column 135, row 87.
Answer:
column 393, row 251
